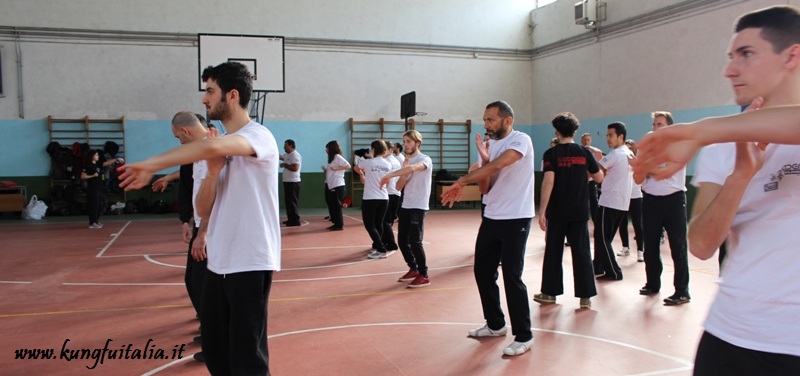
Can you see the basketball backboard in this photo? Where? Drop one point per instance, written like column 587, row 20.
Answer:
column 263, row 56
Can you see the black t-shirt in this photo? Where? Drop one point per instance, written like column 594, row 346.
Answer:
column 91, row 169
column 569, row 200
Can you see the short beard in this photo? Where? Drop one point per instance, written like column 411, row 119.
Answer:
column 220, row 112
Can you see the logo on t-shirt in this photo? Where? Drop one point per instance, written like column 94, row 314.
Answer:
column 775, row 179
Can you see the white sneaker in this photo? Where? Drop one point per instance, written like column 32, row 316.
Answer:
column 624, row 252
column 94, row 226
column 518, row 348
column 484, row 331
column 640, row 256
column 377, row 255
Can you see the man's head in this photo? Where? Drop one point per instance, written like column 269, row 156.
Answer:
column 764, row 54
column 566, row 124
column 661, row 119
column 498, row 119
column 288, row 146
column 586, row 139
column 398, row 148
column 389, row 148
column 412, row 141
column 188, row 127
column 378, row 148
column 228, row 86
column 615, row 134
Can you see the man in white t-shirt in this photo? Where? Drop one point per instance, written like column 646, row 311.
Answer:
column 394, row 201
column 291, row 182
column 752, row 324
column 239, row 196
column 415, row 180
column 506, row 180
column 664, row 208
column 614, row 202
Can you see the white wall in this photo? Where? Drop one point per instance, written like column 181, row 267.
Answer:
column 109, row 78
column 672, row 66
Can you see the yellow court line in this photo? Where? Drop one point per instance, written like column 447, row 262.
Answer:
column 406, row 291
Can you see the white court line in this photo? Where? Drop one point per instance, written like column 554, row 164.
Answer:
column 113, row 240
column 15, row 282
column 120, row 284
column 148, row 254
column 685, row 365
column 148, row 258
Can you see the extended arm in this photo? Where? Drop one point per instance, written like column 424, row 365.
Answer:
column 547, row 189
column 455, row 191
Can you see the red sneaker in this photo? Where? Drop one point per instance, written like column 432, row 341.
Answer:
column 420, row 281
column 408, row 277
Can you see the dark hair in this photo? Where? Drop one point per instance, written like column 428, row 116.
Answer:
column 232, row 76
column 503, row 109
column 619, row 128
column 780, row 25
column 379, row 146
column 566, row 123
column 333, row 149
column 290, row 142
column 399, row 145
column 665, row 115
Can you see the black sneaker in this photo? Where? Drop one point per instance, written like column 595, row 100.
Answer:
column 677, row 299
column 646, row 290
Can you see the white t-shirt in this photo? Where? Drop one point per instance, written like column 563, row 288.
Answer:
column 290, row 176
column 418, row 186
column 375, row 169
column 392, row 186
column 616, row 193
column 758, row 301
column 512, row 189
column 244, row 231
column 401, row 157
column 335, row 178
column 636, row 191
column 199, row 170
column 665, row 187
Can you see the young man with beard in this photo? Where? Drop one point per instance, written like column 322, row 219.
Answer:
column 506, row 180
column 415, row 182
column 751, row 327
column 239, row 196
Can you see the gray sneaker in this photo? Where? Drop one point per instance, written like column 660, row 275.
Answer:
column 518, row 348
column 484, row 331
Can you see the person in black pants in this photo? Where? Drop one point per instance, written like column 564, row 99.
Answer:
column 564, row 213
column 93, row 172
column 664, row 207
column 291, row 182
column 189, row 127
column 334, row 184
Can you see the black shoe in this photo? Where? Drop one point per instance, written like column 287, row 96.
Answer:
column 328, row 217
column 677, row 298
column 609, row 277
column 285, row 222
column 391, row 247
column 200, row 357
column 291, row 224
column 647, row 291
column 197, row 339
column 335, row 228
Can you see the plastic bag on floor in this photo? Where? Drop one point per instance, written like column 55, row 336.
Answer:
column 35, row 209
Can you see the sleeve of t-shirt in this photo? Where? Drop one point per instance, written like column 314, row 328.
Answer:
column 427, row 162
column 339, row 161
column 707, row 168
column 547, row 163
column 591, row 163
column 609, row 160
column 521, row 143
column 261, row 141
